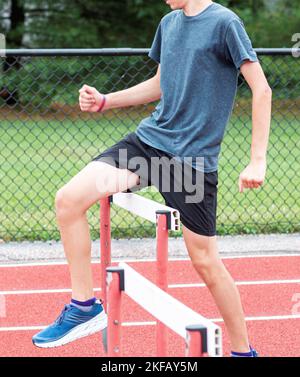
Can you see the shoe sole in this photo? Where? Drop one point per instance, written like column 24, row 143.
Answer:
column 93, row 326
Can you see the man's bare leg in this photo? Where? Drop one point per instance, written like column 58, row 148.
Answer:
column 96, row 181
column 205, row 258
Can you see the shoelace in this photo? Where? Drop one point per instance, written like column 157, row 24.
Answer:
column 66, row 309
column 61, row 317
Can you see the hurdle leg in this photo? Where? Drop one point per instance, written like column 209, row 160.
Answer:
column 105, row 243
column 162, row 275
column 196, row 341
column 115, row 286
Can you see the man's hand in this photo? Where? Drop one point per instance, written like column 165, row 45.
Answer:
column 253, row 176
column 90, row 99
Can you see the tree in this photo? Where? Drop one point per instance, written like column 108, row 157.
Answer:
column 128, row 23
column 14, row 38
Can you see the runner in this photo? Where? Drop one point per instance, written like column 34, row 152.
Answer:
column 200, row 48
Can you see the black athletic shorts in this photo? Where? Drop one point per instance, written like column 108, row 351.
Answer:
column 196, row 200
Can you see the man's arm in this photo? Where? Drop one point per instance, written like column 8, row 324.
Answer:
column 254, row 174
column 148, row 91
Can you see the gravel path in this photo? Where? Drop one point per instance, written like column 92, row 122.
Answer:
column 273, row 244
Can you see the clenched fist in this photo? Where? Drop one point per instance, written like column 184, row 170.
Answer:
column 90, row 100
column 253, row 176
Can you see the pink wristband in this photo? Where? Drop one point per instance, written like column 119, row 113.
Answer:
column 102, row 104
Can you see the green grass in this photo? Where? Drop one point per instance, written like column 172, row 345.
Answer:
column 38, row 156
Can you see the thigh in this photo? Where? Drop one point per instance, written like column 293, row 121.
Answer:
column 132, row 154
column 198, row 216
column 96, row 181
column 199, row 246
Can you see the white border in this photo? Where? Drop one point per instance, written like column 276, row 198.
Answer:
column 153, row 323
column 150, row 260
column 170, row 286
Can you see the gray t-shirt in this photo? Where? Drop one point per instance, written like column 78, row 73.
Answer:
column 200, row 57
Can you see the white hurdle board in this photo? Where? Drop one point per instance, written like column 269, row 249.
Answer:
column 146, row 208
column 168, row 310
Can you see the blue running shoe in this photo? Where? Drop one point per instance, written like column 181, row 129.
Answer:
column 72, row 324
column 251, row 353
column 254, row 353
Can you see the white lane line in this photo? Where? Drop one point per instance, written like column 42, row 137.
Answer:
column 53, row 264
column 265, row 318
column 132, row 324
column 258, row 282
column 259, row 318
column 22, row 328
column 171, row 286
column 37, row 264
column 39, row 291
column 153, row 323
column 273, row 255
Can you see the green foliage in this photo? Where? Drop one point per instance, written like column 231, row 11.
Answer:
column 132, row 23
column 95, row 24
column 45, row 82
column 270, row 23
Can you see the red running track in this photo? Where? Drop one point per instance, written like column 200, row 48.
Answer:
column 268, row 304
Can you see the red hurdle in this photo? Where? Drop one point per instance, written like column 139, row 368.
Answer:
column 105, row 243
column 203, row 337
column 165, row 218
column 115, row 287
column 162, row 236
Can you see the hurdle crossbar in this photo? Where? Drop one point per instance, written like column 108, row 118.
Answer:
column 146, row 208
column 171, row 312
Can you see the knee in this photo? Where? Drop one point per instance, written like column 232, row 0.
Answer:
column 202, row 261
column 65, row 204
column 207, row 264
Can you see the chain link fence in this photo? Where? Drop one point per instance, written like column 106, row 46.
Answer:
column 45, row 140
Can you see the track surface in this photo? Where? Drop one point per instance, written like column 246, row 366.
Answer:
column 34, row 296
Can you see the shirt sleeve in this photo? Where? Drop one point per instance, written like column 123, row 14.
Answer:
column 156, row 45
column 238, row 45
